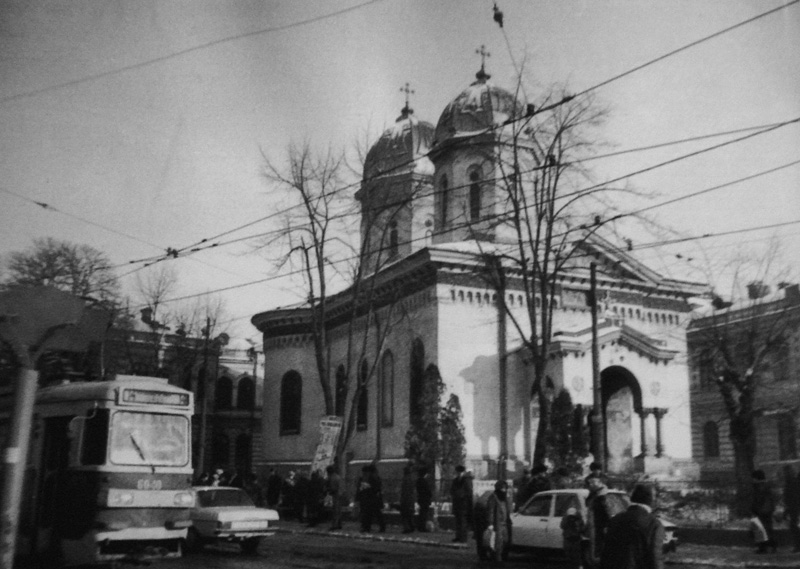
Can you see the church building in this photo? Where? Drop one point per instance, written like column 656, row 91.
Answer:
column 440, row 176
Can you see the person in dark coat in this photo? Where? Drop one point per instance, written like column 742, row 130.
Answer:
column 635, row 538
column 791, row 503
column 407, row 499
column 289, row 493
column 597, row 516
column 498, row 518
column 333, row 488
column 424, row 498
column 461, row 499
column 368, row 496
column 301, row 496
column 763, row 508
column 522, row 489
column 273, row 493
column 377, row 503
column 539, row 480
column 572, row 533
column 314, row 497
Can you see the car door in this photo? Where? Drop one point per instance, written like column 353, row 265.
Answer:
column 563, row 502
column 530, row 522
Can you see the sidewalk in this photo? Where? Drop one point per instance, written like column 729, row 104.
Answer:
column 687, row 553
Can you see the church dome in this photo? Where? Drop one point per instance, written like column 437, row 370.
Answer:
column 480, row 106
column 402, row 148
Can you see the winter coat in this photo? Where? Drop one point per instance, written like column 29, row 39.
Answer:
column 634, row 540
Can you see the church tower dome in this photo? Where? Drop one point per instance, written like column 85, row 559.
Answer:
column 396, row 192
column 466, row 154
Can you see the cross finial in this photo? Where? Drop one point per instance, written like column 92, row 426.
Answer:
column 482, row 75
column 405, row 111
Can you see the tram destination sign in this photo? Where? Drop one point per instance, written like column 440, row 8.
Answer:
column 150, row 397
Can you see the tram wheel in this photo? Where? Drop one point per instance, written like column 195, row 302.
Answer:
column 250, row 545
column 194, row 542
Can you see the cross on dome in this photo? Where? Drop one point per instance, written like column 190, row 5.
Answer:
column 407, row 110
column 481, row 75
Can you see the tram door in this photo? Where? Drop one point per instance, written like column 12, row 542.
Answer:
column 51, row 489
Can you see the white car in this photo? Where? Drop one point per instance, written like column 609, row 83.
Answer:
column 227, row 514
column 537, row 523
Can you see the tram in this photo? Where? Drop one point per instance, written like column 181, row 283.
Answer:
column 109, row 471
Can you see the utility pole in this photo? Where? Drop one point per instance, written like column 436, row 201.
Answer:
column 598, row 430
column 201, row 459
column 502, row 372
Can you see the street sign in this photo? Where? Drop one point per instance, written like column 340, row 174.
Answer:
column 329, row 429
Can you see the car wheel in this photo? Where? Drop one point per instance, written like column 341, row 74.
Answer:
column 194, row 542
column 250, row 545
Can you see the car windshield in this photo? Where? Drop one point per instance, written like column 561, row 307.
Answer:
column 223, row 497
column 151, row 439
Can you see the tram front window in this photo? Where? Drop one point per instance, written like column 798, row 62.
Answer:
column 149, row 439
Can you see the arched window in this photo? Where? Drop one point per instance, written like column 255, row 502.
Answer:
column 245, row 394
column 291, row 402
column 475, row 195
column 417, row 369
column 711, row 440
column 445, row 200
column 387, row 389
column 223, row 396
column 393, row 240
column 341, row 390
column 363, row 399
column 220, row 451
column 243, row 453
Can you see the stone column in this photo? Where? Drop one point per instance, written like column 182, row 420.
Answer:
column 643, row 413
column 659, row 413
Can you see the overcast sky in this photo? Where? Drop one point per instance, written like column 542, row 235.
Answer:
column 149, row 117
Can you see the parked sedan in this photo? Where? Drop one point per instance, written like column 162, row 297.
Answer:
column 537, row 523
column 227, row 514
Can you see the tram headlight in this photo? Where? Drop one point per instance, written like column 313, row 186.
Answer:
column 119, row 498
column 184, row 499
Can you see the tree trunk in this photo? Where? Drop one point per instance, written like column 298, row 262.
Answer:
column 742, row 434
column 543, row 430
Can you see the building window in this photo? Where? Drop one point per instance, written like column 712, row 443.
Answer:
column 475, row 195
column 387, row 390
column 445, row 200
column 223, row 396
column 243, row 453
column 393, row 240
column 711, row 440
column 220, row 451
column 705, row 369
column 787, row 437
column 291, row 402
column 246, row 394
column 416, row 379
column 363, row 399
column 341, row 390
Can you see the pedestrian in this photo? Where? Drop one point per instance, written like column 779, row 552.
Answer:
column 314, row 498
column 407, row 499
column 289, row 493
column 791, row 503
column 424, row 498
column 498, row 520
column 461, row 500
column 540, row 481
column 333, row 493
column 560, row 479
column 366, row 495
column 378, row 503
column 522, row 489
column 572, row 532
column 763, row 508
column 301, row 496
column 274, row 484
column 596, row 469
column 597, row 516
column 635, row 537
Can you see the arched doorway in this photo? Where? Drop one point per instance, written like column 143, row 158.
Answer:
column 622, row 396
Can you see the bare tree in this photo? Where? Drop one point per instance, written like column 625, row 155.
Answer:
column 742, row 347
column 78, row 269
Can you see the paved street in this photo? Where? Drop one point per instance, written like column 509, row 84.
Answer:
column 297, row 547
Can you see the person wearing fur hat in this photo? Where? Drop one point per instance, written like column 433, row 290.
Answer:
column 635, row 538
column 498, row 519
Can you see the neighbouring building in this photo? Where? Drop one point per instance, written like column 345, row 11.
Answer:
column 451, row 319
column 768, row 322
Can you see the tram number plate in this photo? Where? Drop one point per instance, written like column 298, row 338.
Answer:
column 146, row 484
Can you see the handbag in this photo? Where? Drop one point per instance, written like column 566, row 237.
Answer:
column 489, row 538
column 759, row 533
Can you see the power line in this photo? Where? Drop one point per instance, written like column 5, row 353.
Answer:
column 687, row 46
column 180, row 53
